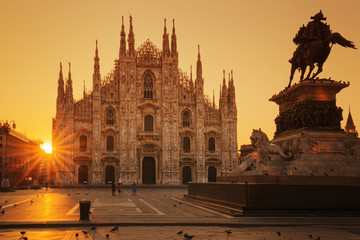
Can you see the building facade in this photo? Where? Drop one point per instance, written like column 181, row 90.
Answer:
column 18, row 156
column 146, row 121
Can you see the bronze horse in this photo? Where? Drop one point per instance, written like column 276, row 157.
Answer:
column 316, row 52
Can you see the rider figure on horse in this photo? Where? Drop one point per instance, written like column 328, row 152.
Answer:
column 315, row 30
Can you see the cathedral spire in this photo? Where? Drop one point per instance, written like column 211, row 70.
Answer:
column 122, row 40
column 61, row 90
column 84, row 93
column 213, row 98
column 350, row 126
column 224, row 91
column 69, row 88
column 229, row 81
column 191, row 73
column 131, row 39
column 166, row 49
column 96, row 60
column 69, row 74
column 224, row 80
column 173, row 41
column 198, row 66
column 191, row 79
column 231, row 92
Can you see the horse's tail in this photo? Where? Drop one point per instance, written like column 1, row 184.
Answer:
column 337, row 38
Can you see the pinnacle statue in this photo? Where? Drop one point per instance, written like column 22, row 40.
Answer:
column 314, row 45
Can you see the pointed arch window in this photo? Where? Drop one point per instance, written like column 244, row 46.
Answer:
column 186, row 119
column 148, row 86
column 148, row 123
column 110, row 117
column 83, row 143
column 212, row 144
column 110, row 143
column 186, row 144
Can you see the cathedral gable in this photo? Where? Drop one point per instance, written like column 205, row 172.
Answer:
column 148, row 55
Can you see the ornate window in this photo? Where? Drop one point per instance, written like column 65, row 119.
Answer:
column 211, row 144
column 148, row 123
column 186, row 144
column 110, row 116
column 186, row 119
column 83, row 143
column 110, row 143
column 148, row 86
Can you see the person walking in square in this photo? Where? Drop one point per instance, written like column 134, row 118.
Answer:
column 113, row 189
column 134, row 188
column 119, row 188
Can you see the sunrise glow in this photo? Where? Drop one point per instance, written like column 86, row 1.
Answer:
column 47, row 147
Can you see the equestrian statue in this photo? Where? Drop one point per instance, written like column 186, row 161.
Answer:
column 314, row 45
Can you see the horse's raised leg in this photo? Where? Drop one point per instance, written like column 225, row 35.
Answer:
column 293, row 68
column 318, row 71
column 303, row 69
column 311, row 69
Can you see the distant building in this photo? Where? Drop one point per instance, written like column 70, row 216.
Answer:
column 18, row 154
column 350, row 126
column 146, row 121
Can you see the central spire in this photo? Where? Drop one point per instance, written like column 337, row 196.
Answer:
column 96, row 60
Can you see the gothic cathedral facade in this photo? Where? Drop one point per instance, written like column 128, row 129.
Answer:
column 145, row 122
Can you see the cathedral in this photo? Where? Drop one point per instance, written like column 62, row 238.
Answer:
column 146, row 121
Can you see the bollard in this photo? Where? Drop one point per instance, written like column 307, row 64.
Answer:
column 84, row 209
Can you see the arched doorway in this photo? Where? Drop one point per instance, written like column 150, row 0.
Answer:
column 148, row 170
column 83, row 174
column 212, row 174
column 186, row 176
column 109, row 174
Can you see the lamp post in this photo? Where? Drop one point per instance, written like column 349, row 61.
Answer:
column 6, row 128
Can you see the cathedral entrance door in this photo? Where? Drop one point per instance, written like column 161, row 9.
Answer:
column 109, row 174
column 83, row 174
column 148, row 170
column 212, row 174
column 186, row 176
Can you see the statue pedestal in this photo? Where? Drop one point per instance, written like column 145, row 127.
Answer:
column 310, row 104
column 308, row 126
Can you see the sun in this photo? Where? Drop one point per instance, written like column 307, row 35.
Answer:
column 46, row 147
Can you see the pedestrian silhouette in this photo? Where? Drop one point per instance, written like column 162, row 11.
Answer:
column 134, row 188
column 113, row 189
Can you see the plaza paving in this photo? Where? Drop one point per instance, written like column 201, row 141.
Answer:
column 152, row 214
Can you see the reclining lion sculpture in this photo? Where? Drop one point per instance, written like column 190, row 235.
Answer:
column 264, row 150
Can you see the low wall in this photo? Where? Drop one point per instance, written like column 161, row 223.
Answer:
column 286, row 179
column 7, row 189
column 259, row 196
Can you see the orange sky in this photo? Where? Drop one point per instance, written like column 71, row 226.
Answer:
column 252, row 38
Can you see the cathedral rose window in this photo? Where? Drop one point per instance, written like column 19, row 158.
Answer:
column 148, row 86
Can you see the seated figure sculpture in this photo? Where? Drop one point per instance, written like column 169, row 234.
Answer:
column 264, row 150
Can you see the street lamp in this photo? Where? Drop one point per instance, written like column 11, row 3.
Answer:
column 6, row 127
